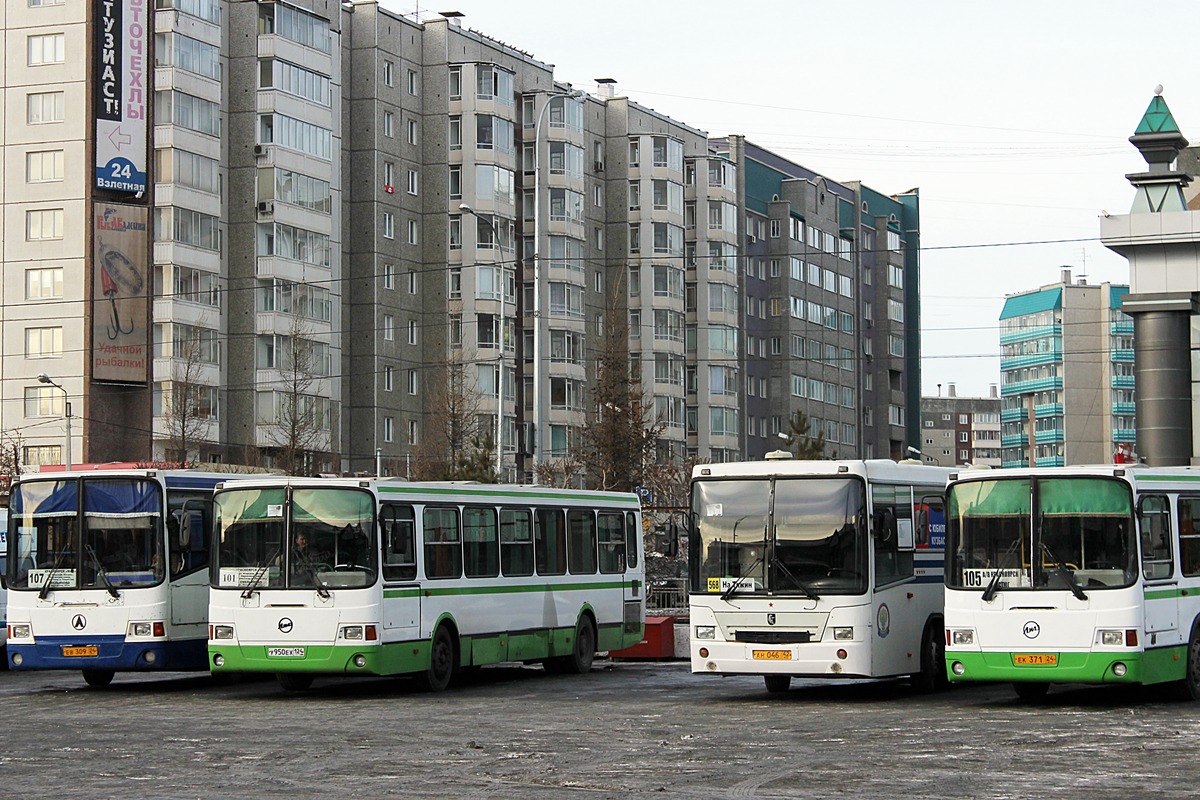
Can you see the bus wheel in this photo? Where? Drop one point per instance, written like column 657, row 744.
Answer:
column 1031, row 692
column 294, row 681
column 777, row 684
column 98, row 677
column 932, row 676
column 582, row 653
column 441, row 662
column 1189, row 687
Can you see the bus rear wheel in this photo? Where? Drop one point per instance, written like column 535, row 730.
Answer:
column 437, row 676
column 294, row 681
column 582, row 651
column 777, row 684
column 98, row 677
column 1031, row 692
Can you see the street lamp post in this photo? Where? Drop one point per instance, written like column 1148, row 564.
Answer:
column 44, row 378
column 467, row 209
column 539, row 435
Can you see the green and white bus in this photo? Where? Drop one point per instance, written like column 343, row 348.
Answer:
column 1074, row 575
column 388, row 577
column 817, row 569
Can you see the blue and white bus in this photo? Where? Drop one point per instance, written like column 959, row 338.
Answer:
column 108, row 571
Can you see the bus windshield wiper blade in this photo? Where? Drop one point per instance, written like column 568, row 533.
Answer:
column 994, row 583
column 807, row 592
column 258, row 575
column 53, row 571
column 1065, row 574
column 322, row 592
column 733, row 587
column 101, row 571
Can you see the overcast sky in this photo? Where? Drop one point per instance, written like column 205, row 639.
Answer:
column 1012, row 119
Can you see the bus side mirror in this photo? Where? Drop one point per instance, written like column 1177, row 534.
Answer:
column 673, row 540
column 885, row 524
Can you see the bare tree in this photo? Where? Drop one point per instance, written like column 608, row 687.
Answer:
column 799, row 436
column 303, row 421
column 563, row 472
column 10, row 456
column 185, row 407
column 456, row 443
column 620, row 434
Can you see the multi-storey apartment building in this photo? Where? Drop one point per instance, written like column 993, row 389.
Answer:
column 341, row 208
column 1067, row 381
column 957, row 431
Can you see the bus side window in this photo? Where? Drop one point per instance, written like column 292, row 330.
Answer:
column 612, row 541
column 892, row 512
column 550, row 542
column 443, row 544
column 633, row 538
column 1154, row 524
column 398, row 527
column 481, row 544
column 1189, row 535
column 516, row 542
column 581, row 542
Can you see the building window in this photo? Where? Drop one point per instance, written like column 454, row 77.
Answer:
column 456, row 83
column 412, row 181
column 389, row 225
column 44, row 107
column 388, row 424
column 43, row 401
column 44, row 283
column 44, row 166
column 412, row 331
column 44, row 454
column 412, row 82
column 412, row 282
column 412, row 431
column 412, row 231
column 389, row 70
column 43, row 224
column 412, row 131
column 389, row 378
column 47, row 48
column 412, row 381
column 43, row 342
column 389, row 327
column 388, row 121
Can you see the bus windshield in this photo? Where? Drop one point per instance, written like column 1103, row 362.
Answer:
column 800, row 536
column 325, row 540
column 107, row 536
column 1063, row 533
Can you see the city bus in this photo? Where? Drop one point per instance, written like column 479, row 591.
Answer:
column 387, row 577
column 817, row 569
column 3, row 584
column 107, row 570
column 1074, row 575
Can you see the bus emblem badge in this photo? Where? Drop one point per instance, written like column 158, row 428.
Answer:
column 770, row 619
column 78, row 622
column 1031, row 630
column 285, row 625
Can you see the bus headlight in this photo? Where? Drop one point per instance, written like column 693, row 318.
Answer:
column 706, row 632
column 352, row 632
column 222, row 631
column 19, row 631
column 962, row 637
column 843, row 634
column 1111, row 638
column 140, row 629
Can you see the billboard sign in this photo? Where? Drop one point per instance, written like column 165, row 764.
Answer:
column 120, row 335
column 120, row 86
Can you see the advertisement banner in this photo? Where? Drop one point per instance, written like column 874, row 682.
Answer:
column 122, row 42
column 120, row 280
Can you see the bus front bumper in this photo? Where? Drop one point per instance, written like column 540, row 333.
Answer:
column 106, row 653
column 1060, row 667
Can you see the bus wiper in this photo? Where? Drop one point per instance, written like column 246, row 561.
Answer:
column 1065, row 574
column 58, row 561
column 246, row 595
column 103, row 573
column 807, row 592
column 733, row 587
column 322, row 592
column 994, row 583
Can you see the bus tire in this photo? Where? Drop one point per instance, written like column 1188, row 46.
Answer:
column 583, row 650
column 98, row 678
column 1189, row 687
column 777, row 684
column 294, row 681
column 437, row 676
column 932, row 677
column 1031, row 692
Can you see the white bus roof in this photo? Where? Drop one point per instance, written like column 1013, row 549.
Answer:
column 460, row 489
column 879, row 468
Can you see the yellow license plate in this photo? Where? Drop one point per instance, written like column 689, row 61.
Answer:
column 772, row 655
column 86, row 651
column 1035, row 659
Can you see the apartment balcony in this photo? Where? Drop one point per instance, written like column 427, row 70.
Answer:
column 1124, row 327
column 1030, row 360
column 1037, row 385
column 1123, row 356
column 1122, row 382
column 1039, row 332
column 1125, row 435
column 1124, row 409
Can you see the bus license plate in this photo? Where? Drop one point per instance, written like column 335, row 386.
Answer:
column 1035, row 659
column 285, row 652
column 85, row 651
column 772, row 655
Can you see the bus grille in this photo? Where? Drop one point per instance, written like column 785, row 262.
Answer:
column 773, row 637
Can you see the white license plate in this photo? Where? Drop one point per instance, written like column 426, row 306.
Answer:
column 285, row 652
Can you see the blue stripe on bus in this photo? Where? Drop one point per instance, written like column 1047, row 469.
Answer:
column 114, row 653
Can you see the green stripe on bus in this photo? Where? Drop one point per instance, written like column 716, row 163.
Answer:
column 594, row 498
column 452, row 591
column 1164, row 594
column 1167, row 478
